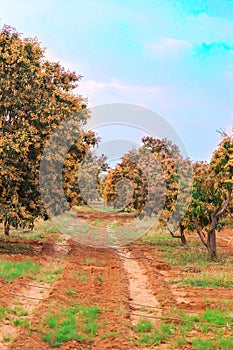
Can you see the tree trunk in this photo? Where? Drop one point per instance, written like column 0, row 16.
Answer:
column 6, row 226
column 211, row 244
column 182, row 235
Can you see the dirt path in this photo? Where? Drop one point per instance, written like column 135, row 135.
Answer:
column 143, row 302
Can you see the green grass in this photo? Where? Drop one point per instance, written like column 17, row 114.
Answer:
column 80, row 276
column 214, row 322
column 70, row 292
column 22, row 323
column 10, row 270
column 17, row 310
column 226, row 343
column 100, row 278
column 206, row 280
column 143, row 326
column 89, row 261
column 6, row 339
column 215, row 317
column 49, row 275
column 203, row 344
column 42, row 230
column 2, row 312
column 84, row 278
column 193, row 253
column 72, row 323
column 147, row 335
column 98, row 223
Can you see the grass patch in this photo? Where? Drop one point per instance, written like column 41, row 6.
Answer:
column 215, row 317
column 10, row 270
column 6, row 339
column 49, row 276
column 17, row 310
column 193, row 253
column 143, row 326
column 42, row 230
column 207, row 280
column 89, row 261
column 226, row 343
column 203, row 344
column 72, row 323
column 80, row 276
column 22, row 323
column 175, row 254
column 147, row 335
column 214, row 322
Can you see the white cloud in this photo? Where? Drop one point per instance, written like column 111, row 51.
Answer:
column 117, row 91
column 168, row 47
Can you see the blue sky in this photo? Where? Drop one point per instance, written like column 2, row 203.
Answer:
column 172, row 56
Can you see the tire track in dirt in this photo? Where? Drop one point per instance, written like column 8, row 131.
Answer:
column 143, row 302
column 30, row 298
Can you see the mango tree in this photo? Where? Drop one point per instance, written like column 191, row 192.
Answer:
column 159, row 177
column 212, row 191
column 36, row 96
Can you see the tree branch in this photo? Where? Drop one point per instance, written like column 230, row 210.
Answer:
column 200, row 234
column 174, row 236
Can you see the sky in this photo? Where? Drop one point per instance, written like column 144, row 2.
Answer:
column 174, row 57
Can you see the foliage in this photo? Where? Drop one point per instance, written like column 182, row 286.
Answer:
column 211, row 199
column 89, row 182
column 154, row 180
column 36, row 96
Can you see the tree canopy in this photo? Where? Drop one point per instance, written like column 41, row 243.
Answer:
column 36, row 95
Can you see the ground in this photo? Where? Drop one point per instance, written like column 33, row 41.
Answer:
column 152, row 293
